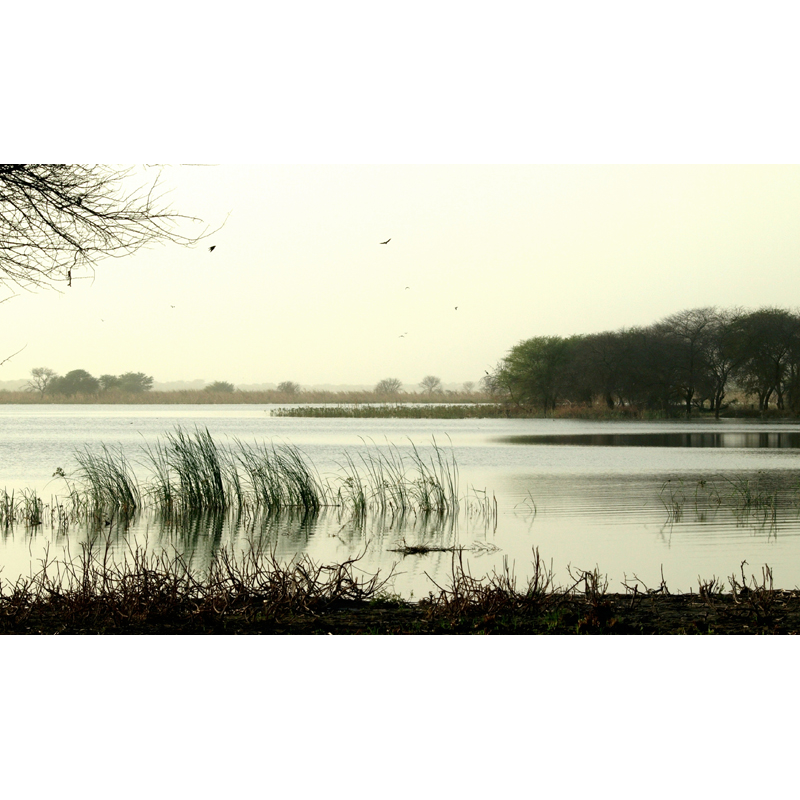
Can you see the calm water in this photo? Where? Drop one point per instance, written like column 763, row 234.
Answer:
column 625, row 497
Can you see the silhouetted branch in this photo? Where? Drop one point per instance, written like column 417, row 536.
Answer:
column 59, row 219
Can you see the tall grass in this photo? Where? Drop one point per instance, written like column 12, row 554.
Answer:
column 190, row 473
column 746, row 498
column 108, row 480
column 26, row 507
column 280, row 479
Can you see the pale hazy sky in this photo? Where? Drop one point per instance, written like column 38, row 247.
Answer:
column 299, row 288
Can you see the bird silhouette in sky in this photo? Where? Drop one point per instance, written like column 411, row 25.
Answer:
column 211, row 249
column 387, row 241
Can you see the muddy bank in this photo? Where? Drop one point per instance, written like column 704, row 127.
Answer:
column 764, row 612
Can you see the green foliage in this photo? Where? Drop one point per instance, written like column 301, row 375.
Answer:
column 687, row 361
column 129, row 382
column 78, row 381
column 135, row 382
column 388, row 386
column 535, row 372
column 289, row 387
column 220, row 386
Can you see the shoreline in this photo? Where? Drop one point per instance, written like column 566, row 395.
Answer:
column 614, row 614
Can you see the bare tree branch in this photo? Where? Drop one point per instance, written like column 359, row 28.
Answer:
column 8, row 358
column 57, row 220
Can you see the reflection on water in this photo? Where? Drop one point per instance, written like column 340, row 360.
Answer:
column 629, row 498
column 765, row 440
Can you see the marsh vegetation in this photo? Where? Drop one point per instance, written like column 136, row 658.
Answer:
column 255, row 593
column 188, row 472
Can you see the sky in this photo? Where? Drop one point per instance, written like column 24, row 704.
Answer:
column 480, row 257
column 539, row 170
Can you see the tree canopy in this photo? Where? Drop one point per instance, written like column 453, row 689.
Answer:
column 133, row 382
column 220, row 386
column 431, row 384
column 79, row 381
column 687, row 360
column 388, row 386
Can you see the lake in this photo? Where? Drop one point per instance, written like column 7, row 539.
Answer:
column 682, row 499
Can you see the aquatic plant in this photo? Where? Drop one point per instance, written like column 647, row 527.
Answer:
column 279, row 479
column 108, row 481
column 405, row 410
column 30, row 510
column 398, row 485
column 744, row 497
column 190, row 473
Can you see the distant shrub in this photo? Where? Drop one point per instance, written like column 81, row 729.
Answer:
column 220, row 386
column 289, row 387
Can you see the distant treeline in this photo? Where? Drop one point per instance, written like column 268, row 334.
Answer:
column 209, row 395
column 690, row 360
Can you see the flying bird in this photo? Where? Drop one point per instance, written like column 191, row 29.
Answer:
column 211, row 249
column 387, row 241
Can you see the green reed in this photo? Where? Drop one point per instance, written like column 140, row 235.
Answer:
column 405, row 410
column 28, row 509
column 108, row 480
column 746, row 498
column 279, row 478
column 189, row 473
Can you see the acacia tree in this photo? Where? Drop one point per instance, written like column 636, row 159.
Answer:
column 688, row 336
column 768, row 340
column 388, row 386
column 536, row 372
column 723, row 355
column 78, row 381
column 40, row 379
column 225, row 387
column 57, row 220
column 289, row 387
column 430, row 384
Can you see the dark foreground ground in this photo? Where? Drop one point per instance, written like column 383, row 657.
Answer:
column 760, row 612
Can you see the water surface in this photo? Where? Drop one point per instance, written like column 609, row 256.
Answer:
column 631, row 498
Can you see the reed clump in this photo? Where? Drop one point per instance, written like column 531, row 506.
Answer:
column 29, row 509
column 109, row 480
column 404, row 410
column 748, row 499
column 189, row 472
